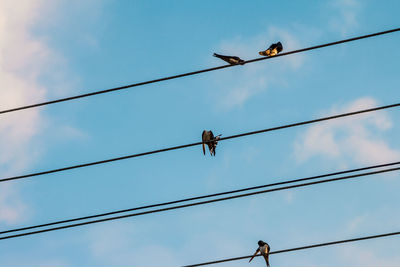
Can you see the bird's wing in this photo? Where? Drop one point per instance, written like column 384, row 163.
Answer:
column 204, row 136
column 211, row 135
column 280, row 46
column 258, row 250
column 203, row 139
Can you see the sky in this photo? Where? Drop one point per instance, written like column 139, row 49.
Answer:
column 54, row 49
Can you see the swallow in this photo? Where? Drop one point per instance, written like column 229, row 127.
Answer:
column 264, row 249
column 230, row 60
column 273, row 50
column 208, row 138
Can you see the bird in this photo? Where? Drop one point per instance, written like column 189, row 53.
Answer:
column 208, row 138
column 264, row 249
column 273, row 50
column 230, row 59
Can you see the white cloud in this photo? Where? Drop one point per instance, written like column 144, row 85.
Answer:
column 356, row 223
column 289, row 197
column 12, row 209
column 356, row 138
column 241, row 84
column 345, row 15
column 124, row 243
column 354, row 256
column 122, row 246
column 24, row 58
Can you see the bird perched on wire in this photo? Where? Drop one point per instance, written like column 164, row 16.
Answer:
column 230, row 59
column 273, row 50
column 264, row 249
column 208, row 138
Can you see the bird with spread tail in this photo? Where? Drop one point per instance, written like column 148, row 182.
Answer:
column 273, row 50
column 230, row 59
column 264, row 249
column 208, row 138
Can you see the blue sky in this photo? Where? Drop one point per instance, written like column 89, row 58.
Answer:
column 52, row 49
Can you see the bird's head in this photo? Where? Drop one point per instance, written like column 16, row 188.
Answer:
column 261, row 243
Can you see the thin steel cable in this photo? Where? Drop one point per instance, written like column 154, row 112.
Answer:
column 198, row 197
column 199, row 203
column 198, row 143
column 194, row 72
column 300, row 248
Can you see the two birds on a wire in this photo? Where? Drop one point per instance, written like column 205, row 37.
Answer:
column 272, row 50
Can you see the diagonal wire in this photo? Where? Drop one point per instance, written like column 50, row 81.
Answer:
column 199, row 143
column 198, row 197
column 199, row 203
column 300, row 248
column 194, row 72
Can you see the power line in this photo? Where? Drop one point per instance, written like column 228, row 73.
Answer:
column 198, row 197
column 301, row 248
column 199, row 203
column 195, row 72
column 198, row 143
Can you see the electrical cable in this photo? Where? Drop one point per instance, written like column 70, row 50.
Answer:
column 300, row 248
column 198, row 143
column 197, row 198
column 199, row 203
column 194, row 72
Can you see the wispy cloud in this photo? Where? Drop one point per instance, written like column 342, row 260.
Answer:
column 132, row 244
column 24, row 59
column 122, row 246
column 21, row 60
column 12, row 209
column 355, row 256
column 241, row 84
column 355, row 139
column 345, row 15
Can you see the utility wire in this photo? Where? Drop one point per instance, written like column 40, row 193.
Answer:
column 197, row 198
column 194, row 72
column 199, row 203
column 198, row 143
column 300, row 248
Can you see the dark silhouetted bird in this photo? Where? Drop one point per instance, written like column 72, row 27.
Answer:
column 264, row 249
column 208, row 138
column 273, row 50
column 230, row 60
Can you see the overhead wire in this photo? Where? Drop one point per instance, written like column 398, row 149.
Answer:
column 194, row 72
column 198, row 143
column 300, row 248
column 198, row 197
column 198, row 203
